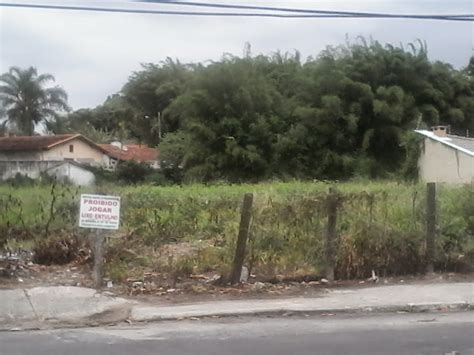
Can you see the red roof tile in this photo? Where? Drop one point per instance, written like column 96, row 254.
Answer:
column 140, row 153
column 31, row 143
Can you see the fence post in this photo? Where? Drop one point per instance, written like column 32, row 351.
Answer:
column 430, row 225
column 98, row 268
column 244, row 230
column 331, row 234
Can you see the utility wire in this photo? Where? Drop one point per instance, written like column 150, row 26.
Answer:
column 158, row 12
column 468, row 18
column 303, row 11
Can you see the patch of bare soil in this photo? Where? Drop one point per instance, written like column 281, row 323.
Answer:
column 156, row 287
column 21, row 272
column 200, row 289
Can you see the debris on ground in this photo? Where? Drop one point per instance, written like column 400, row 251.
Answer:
column 19, row 271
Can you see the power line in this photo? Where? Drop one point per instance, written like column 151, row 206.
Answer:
column 157, row 12
column 468, row 18
column 305, row 11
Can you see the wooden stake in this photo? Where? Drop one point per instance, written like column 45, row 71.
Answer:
column 430, row 225
column 331, row 234
column 244, row 230
column 98, row 269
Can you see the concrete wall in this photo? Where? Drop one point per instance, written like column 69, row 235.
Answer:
column 20, row 156
column 441, row 163
column 33, row 169
column 73, row 173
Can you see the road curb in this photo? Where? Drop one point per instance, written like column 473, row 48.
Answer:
column 106, row 318
column 56, row 307
column 61, row 306
column 407, row 308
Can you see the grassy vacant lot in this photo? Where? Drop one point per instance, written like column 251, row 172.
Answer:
column 381, row 226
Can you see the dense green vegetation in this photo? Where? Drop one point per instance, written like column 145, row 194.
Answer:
column 347, row 112
column 25, row 100
column 381, row 226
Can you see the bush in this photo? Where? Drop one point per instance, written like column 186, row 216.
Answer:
column 20, row 180
column 60, row 250
column 103, row 176
column 158, row 179
column 132, row 172
column 381, row 225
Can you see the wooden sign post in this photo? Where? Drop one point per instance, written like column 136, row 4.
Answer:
column 244, row 230
column 101, row 213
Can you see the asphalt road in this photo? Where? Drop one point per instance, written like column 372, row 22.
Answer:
column 437, row 333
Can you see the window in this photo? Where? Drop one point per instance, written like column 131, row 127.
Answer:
column 71, row 148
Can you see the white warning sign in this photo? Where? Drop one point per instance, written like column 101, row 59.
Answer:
column 98, row 211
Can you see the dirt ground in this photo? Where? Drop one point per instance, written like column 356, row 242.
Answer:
column 151, row 287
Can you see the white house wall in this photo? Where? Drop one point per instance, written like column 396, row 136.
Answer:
column 75, row 174
column 441, row 163
column 32, row 169
column 82, row 153
column 20, row 156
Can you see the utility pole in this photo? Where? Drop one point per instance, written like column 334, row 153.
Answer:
column 159, row 126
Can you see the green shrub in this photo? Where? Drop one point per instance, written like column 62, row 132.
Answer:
column 158, row 179
column 103, row 176
column 19, row 180
column 133, row 172
column 60, row 249
column 381, row 225
column 117, row 271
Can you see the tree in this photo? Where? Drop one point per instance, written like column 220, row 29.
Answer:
column 132, row 172
column 173, row 151
column 149, row 93
column 231, row 114
column 346, row 112
column 470, row 67
column 27, row 101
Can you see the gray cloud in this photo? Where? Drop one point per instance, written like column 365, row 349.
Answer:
column 92, row 54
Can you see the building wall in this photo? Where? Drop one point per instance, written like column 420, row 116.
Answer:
column 75, row 174
column 441, row 163
column 60, row 169
column 32, row 169
column 82, row 153
column 20, row 156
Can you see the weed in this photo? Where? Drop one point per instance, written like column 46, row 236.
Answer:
column 381, row 225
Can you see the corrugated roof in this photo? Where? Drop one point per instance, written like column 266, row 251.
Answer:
column 139, row 153
column 31, row 143
column 463, row 144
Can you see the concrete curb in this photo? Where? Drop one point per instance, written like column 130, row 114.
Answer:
column 122, row 314
column 408, row 308
column 43, row 307
column 54, row 307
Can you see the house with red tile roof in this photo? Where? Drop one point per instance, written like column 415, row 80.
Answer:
column 137, row 152
column 73, row 147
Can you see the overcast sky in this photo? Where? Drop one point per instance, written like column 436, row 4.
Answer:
column 92, row 54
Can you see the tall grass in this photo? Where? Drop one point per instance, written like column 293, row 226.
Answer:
column 380, row 224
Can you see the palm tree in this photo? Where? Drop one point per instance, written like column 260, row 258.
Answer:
column 25, row 101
